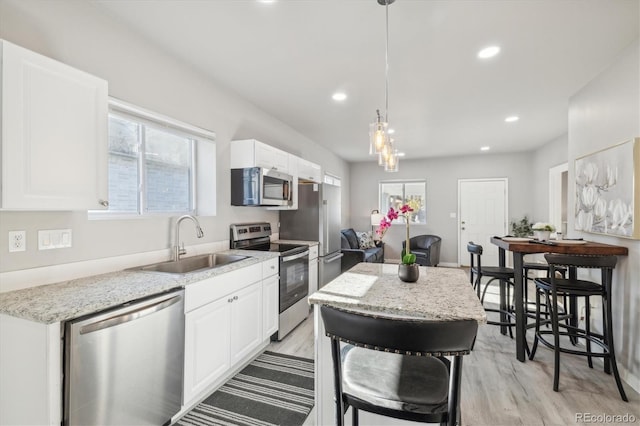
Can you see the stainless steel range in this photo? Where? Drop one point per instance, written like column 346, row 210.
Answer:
column 293, row 270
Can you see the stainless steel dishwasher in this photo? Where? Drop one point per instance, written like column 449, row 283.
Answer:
column 124, row 366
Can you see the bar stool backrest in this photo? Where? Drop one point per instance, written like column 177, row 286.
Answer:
column 422, row 338
column 581, row 261
column 475, row 251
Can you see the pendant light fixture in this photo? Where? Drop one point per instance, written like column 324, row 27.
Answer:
column 379, row 142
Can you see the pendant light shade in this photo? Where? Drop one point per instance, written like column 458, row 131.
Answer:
column 379, row 142
column 378, row 136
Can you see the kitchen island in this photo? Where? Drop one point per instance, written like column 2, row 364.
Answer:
column 440, row 294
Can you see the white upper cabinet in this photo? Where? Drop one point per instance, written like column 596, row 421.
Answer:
column 54, row 134
column 253, row 153
column 308, row 171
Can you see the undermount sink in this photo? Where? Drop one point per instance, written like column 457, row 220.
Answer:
column 194, row 263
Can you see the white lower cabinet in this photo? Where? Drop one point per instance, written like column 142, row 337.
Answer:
column 270, row 306
column 219, row 335
column 229, row 319
column 207, row 333
column 246, row 321
column 313, row 269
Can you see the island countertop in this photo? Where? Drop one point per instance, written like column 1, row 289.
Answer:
column 440, row 294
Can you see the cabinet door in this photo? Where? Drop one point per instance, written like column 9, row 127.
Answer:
column 271, row 158
column 207, row 346
column 246, row 321
column 309, row 171
column 270, row 306
column 54, row 136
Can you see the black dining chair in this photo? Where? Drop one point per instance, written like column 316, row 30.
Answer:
column 505, row 276
column 397, row 368
column 553, row 288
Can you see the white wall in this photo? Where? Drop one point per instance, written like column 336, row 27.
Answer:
column 605, row 112
column 442, row 176
column 549, row 155
column 83, row 36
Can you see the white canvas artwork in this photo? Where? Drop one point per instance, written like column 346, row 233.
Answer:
column 605, row 196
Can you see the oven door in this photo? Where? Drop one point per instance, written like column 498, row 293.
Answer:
column 294, row 279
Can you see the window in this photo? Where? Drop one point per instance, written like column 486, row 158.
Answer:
column 153, row 163
column 396, row 193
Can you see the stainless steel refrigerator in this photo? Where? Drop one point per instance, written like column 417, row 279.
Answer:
column 317, row 219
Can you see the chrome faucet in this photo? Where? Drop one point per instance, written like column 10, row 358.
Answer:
column 177, row 250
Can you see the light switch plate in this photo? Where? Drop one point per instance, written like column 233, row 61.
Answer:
column 54, row 239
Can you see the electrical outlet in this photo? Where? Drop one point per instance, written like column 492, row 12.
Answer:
column 17, row 241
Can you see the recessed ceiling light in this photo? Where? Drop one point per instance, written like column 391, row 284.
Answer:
column 339, row 96
column 266, row 1
column 391, row 131
column 401, row 154
column 485, row 148
column 489, row 52
column 512, row 119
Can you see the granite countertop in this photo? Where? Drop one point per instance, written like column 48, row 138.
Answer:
column 440, row 294
column 66, row 300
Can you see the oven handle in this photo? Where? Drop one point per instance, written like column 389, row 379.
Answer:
column 295, row 256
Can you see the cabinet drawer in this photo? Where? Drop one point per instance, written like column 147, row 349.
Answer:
column 270, row 267
column 213, row 288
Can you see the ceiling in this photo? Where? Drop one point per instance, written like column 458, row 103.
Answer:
column 289, row 56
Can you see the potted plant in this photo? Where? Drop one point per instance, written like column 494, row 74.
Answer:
column 542, row 230
column 408, row 270
column 522, row 228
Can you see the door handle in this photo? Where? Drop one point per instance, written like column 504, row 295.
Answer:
column 130, row 316
column 334, row 258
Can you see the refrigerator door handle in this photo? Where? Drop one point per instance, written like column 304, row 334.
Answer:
column 334, row 258
column 325, row 224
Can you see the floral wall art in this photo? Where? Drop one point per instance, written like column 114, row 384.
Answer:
column 607, row 191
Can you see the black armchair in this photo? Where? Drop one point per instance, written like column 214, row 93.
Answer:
column 426, row 248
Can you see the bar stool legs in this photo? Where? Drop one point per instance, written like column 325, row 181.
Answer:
column 552, row 288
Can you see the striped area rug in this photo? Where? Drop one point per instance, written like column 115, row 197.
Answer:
column 275, row 389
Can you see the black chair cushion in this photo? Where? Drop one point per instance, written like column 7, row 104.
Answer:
column 496, row 272
column 397, row 382
column 571, row 287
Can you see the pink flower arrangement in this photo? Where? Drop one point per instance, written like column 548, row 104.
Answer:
column 385, row 223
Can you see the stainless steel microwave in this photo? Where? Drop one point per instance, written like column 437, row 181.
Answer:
column 256, row 186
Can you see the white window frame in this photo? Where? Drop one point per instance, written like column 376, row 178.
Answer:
column 383, row 205
column 203, row 163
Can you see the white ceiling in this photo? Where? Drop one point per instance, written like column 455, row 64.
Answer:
column 289, row 56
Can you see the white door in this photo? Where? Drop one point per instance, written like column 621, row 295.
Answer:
column 482, row 208
column 246, row 321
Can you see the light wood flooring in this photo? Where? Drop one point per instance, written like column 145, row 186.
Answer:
column 499, row 390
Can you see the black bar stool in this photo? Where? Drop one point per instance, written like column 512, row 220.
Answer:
column 397, row 368
column 537, row 266
column 506, row 277
column 553, row 287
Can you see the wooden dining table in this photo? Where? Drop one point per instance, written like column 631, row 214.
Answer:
column 520, row 248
